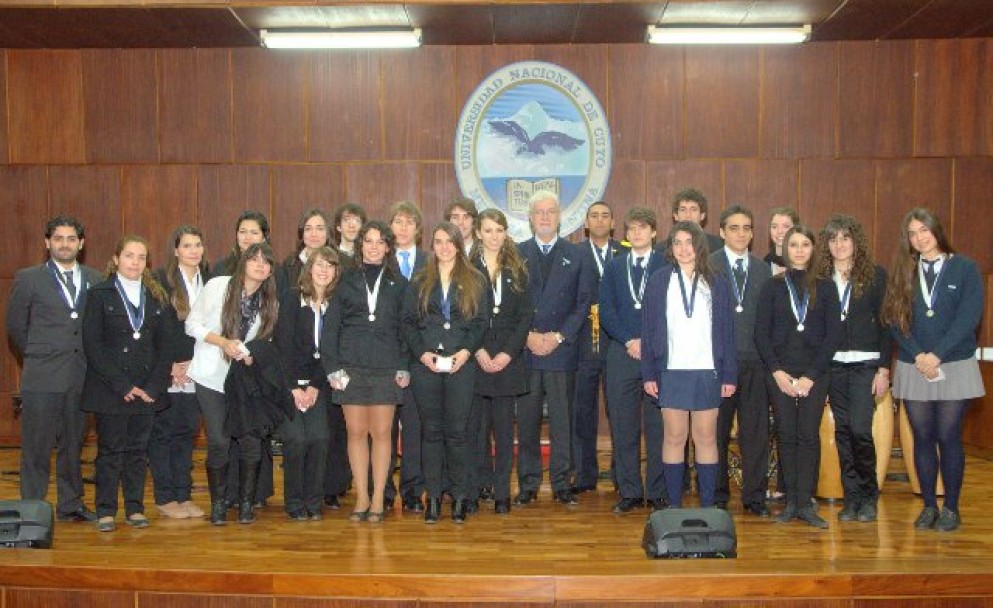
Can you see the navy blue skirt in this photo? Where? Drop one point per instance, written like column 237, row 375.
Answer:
column 689, row 389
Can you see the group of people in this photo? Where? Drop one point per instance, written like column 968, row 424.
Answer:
column 360, row 340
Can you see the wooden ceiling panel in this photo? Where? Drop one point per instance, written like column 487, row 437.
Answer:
column 867, row 19
column 945, row 19
column 614, row 23
column 534, row 24
column 791, row 13
column 453, row 24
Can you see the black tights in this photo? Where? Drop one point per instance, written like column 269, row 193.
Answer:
column 937, row 427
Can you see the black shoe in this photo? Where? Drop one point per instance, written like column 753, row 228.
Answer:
column 460, row 510
column 657, row 504
column 81, row 514
column 810, row 516
column 525, row 497
column 788, row 514
column 721, row 504
column 246, row 512
column 501, row 506
column 388, row 503
column 332, row 502
column 315, row 515
column 566, row 497
column 867, row 512
column 413, row 504
column 757, row 508
column 849, row 513
column 947, row 521
column 927, row 518
column 486, row 493
column 626, row 505
column 300, row 515
column 583, row 489
column 472, row 506
column 433, row 511
column 219, row 513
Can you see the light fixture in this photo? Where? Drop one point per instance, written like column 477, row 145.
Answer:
column 342, row 39
column 727, row 35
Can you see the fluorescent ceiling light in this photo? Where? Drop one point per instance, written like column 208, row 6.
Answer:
column 727, row 35
column 341, row 39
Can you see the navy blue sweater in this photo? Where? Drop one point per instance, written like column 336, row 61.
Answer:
column 951, row 333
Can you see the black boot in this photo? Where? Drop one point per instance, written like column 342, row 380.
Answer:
column 247, row 476
column 217, row 482
column 433, row 511
column 460, row 508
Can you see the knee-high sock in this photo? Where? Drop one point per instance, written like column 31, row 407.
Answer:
column 673, row 474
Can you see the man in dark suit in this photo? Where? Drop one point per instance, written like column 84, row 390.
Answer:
column 406, row 224
column 597, row 251
column 748, row 275
column 563, row 286
column 44, row 320
column 633, row 414
column 690, row 205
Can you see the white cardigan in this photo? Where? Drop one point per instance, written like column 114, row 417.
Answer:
column 209, row 368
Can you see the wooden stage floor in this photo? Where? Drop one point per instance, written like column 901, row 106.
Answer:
column 544, row 554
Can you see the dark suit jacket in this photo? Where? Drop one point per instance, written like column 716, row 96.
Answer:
column 744, row 327
column 181, row 344
column 562, row 303
column 38, row 323
column 620, row 320
column 350, row 340
column 507, row 332
column 655, row 328
column 294, row 338
column 420, row 261
column 116, row 361
column 425, row 332
column 586, row 351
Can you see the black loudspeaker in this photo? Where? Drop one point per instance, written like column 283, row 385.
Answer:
column 690, row 533
column 26, row 524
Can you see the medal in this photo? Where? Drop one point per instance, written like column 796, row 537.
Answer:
column 70, row 300
column 372, row 317
column 739, row 308
column 930, row 295
column 739, row 294
column 317, row 355
column 136, row 314
column 136, row 335
column 447, row 325
column 446, row 305
column 930, row 312
column 637, row 305
column 496, row 310
column 638, row 295
column 74, row 315
column 688, row 303
column 372, row 297
column 798, row 304
column 799, row 327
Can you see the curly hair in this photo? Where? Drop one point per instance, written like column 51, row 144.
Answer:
column 700, row 248
column 154, row 288
column 863, row 270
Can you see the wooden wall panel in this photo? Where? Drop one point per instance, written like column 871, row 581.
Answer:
column 296, row 188
column 345, row 121
column 195, row 105
column 67, row 598
column 438, row 188
column 223, row 192
column 156, row 199
column 24, row 199
column 876, row 83
column 419, row 107
column 183, row 600
column 722, row 102
column 760, row 185
column 902, row 185
column 93, row 194
column 3, row 108
column 836, row 186
column 9, row 365
column 120, row 95
column 376, row 186
column 954, row 106
column 972, row 222
column 312, row 602
column 646, row 119
column 665, row 178
column 799, row 108
column 628, row 182
column 270, row 105
column 587, row 61
column 45, row 107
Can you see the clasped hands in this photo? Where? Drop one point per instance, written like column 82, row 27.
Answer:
column 542, row 344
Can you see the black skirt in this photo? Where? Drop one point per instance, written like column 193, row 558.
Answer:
column 369, row 386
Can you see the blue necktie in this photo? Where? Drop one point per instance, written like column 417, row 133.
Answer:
column 405, row 264
column 638, row 271
column 929, row 273
column 545, row 249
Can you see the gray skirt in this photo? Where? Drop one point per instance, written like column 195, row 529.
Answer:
column 369, row 386
column 963, row 380
column 689, row 390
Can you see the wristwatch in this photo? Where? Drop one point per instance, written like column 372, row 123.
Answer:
column 559, row 337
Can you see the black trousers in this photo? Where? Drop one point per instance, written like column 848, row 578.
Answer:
column 586, row 420
column 798, row 427
column 52, row 421
column 122, row 447
column 853, row 406
column 305, row 454
column 555, row 388
column 337, row 472
column 445, row 403
column 226, row 451
column 170, row 448
column 751, row 404
column 499, row 411
column 633, row 416
column 481, row 428
column 407, row 432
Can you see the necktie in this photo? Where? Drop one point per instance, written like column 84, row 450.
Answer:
column 739, row 274
column 70, row 285
column 545, row 249
column 639, row 271
column 405, row 264
column 929, row 274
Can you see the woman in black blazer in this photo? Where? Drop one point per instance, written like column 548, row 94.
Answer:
column 298, row 337
column 367, row 365
column 128, row 355
column 313, row 232
column 502, row 374
column 170, row 446
column 796, row 330
column 860, row 370
column 445, row 313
